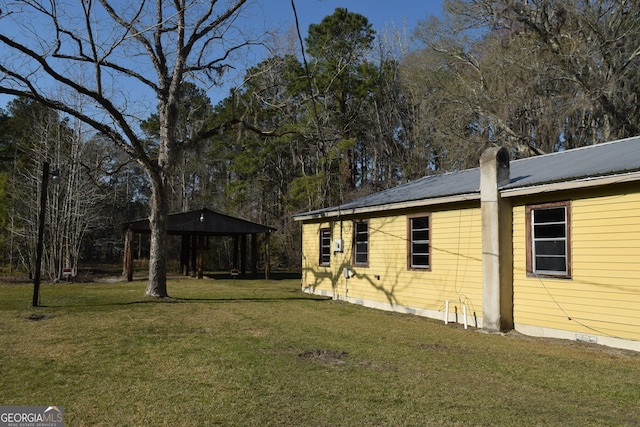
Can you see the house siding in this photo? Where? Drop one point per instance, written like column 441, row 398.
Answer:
column 478, row 256
column 315, row 277
column 387, row 282
column 602, row 298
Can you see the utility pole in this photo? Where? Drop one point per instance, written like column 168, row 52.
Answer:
column 43, row 208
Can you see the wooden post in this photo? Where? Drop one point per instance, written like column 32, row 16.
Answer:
column 200, row 257
column 243, row 254
column 194, row 250
column 254, row 255
column 184, row 254
column 267, row 250
column 235, row 252
column 127, row 257
column 43, row 208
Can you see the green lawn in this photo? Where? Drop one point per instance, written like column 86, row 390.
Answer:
column 260, row 353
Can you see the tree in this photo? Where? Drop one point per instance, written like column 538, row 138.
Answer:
column 40, row 136
column 591, row 44
column 6, row 156
column 534, row 76
column 274, row 96
column 124, row 195
column 194, row 112
column 99, row 51
column 36, row 133
column 343, row 79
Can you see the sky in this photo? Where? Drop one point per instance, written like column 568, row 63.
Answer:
column 379, row 12
column 382, row 14
column 279, row 14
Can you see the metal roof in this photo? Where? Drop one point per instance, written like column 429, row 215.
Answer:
column 203, row 222
column 608, row 158
column 605, row 159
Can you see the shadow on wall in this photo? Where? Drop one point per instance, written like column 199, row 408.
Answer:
column 386, row 276
column 339, row 277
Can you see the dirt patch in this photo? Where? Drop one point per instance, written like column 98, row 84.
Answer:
column 36, row 317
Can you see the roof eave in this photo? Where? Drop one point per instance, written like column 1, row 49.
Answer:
column 333, row 213
column 587, row 182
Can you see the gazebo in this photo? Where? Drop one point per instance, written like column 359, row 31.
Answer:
column 195, row 227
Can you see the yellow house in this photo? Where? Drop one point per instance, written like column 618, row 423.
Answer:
column 548, row 246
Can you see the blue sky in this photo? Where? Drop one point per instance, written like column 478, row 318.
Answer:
column 278, row 14
column 379, row 12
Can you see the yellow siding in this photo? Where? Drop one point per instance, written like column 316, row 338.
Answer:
column 316, row 278
column 603, row 295
column 456, row 270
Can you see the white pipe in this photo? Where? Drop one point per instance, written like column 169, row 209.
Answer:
column 446, row 312
column 464, row 313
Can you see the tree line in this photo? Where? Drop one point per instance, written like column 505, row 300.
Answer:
column 353, row 112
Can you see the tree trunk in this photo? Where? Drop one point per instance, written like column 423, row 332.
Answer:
column 127, row 263
column 158, row 220
column 159, row 215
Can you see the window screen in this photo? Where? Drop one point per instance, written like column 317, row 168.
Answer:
column 419, row 246
column 361, row 243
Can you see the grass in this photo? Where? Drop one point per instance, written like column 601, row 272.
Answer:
column 261, row 353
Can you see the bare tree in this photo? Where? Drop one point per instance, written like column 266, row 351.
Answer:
column 566, row 70
column 73, row 199
column 593, row 45
column 102, row 51
column 534, row 76
column 76, row 201
column 37, row 142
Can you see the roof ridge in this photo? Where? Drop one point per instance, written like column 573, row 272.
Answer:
column 584, row 147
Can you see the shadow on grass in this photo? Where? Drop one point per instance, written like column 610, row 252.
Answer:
column 258, row 299
column 278, row 275
column 183, row 300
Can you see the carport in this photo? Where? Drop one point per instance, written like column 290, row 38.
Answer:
column 195, row 227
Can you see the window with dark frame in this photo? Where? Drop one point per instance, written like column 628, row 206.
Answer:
column 325, row 246
column 548, row 240
column 361, row 243
column 419, row 245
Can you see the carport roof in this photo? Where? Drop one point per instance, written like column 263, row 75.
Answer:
column 203, row 222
